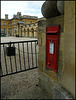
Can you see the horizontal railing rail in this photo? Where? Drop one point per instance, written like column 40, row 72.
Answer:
column 19, row 42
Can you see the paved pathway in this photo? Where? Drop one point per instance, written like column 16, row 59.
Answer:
column 13, row 39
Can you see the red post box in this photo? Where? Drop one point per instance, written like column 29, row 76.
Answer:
column 52, row 42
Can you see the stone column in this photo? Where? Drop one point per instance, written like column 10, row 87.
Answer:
column 35, row 33
column 30, row 33
column 17, row 31
column 7, row 32
column 24, row 33
column 12, row 31
column 27, row 32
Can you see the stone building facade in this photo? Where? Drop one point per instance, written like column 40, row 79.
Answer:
column 60, row 84
column 20, row 25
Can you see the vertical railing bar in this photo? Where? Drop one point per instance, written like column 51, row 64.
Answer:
column 15, row 58
column 11, row 62
column 19, row 56
column 28, row 54
column 32, row 55
column 5, row 59
column 1, row 72
column 35, row 54
column 24, row 56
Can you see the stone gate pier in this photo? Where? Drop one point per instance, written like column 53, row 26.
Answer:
column 60, row 84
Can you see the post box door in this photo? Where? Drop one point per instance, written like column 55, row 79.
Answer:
column 52, row 54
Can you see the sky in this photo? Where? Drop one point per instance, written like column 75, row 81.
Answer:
column 32, row 8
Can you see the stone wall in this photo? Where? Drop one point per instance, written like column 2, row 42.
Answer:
column 68, row 76
column 48, row 78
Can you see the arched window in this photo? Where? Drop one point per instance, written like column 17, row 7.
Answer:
column 28, row 30
column 24, row 30
column 32, row 30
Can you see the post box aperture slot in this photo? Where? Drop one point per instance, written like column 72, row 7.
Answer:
column 51, row 33
column 51, row 48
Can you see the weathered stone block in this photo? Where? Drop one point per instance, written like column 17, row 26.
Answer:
column 68, row 75
column 43, row 39
column 60, row 93
column 46, row 82
column 40, row 67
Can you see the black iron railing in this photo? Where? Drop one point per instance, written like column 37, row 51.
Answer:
column 18, row 57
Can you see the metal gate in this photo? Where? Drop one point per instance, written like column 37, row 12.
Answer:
column 18, row 57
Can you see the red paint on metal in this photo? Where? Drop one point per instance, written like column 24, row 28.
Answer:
column 52, row 43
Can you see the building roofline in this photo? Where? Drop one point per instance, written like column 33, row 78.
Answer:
column 5, row 19
column 18, row 18
column 31, row 18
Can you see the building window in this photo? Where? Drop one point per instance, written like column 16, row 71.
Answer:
column 34, row 24
column 9, row 24
column 4, row 30
column 31, row 22
column 15, row 27
column 9, row 30
column 4, row 23
column 14, row 22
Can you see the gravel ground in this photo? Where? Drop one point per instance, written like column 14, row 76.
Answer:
column 23, row 85
column 12, row 39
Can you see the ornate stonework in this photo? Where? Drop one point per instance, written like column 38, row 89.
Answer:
column 25, row 25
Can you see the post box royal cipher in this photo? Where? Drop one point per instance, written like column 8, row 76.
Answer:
column 52, row 44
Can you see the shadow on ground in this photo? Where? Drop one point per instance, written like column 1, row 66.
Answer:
column 23, row 85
